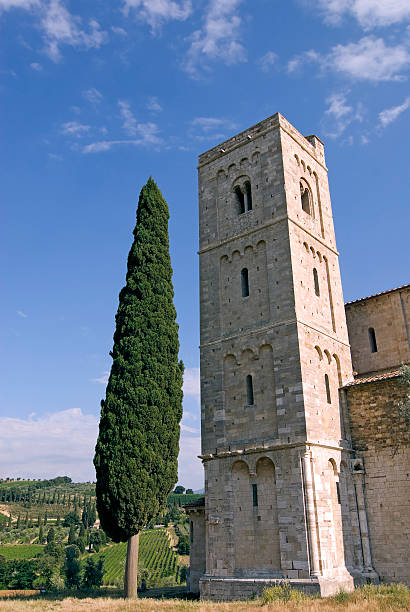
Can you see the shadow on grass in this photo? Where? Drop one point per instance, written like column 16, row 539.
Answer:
column 177, row 592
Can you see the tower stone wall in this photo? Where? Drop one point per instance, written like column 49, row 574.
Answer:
column 280, row 501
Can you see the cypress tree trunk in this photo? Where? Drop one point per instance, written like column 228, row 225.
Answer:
column 131, row 567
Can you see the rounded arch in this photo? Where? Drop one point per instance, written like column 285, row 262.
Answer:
column 261, row 244
column 297, row 159
column 247, row 353
column 319, row 254
column 230, row 358
column 236, row 253
column 224, row 259
column 333, row 465
column 221, row 174
column 303, row 165
column 255, row 157
column 231, row 169
column 328, row 356
column 309, row 169
column 244, row 161
column 305, row 244
column 248, row 249
column 339, row 369
column 240, row 466
column 319, row 352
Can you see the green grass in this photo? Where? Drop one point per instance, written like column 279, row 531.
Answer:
column 20, row 551
column 155, row 555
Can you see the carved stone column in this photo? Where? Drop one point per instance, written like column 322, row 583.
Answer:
column 358, row 479
column 310, row 514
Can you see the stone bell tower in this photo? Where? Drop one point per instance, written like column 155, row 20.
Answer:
column 279, row 498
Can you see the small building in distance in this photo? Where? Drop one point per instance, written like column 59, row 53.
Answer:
column 305, row 455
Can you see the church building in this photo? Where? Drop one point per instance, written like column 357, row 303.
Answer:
column 304, row 448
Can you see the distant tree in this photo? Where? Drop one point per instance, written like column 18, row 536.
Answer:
column 72, row 536
column 72, row 567
column 18, row 524
column 51, row 536
column 26, row 520
column 189, row 492
column 71, row 519
column 93, row 573
column 80, row 542
column 9, row 520
column 81, row 533
column 40, row 534
column 137, row 448
column 183, row 545
column 45, row 518
column 179, row 490
column 58, row 521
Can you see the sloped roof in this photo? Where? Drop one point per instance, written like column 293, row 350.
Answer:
column 362, row 380
column 377, row 294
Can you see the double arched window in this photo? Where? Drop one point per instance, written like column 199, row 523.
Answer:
column 243, row 196
column 306, row 197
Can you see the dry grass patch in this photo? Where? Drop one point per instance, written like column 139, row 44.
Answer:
column 386, row 598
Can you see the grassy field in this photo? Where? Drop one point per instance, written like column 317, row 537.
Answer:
column 368, row 599
column 20, row 551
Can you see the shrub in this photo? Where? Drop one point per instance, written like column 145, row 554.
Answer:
column 282, row 592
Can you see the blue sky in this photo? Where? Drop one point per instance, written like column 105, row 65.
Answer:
column 96, row 96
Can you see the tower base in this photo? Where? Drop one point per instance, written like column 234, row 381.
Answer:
column 213, row 588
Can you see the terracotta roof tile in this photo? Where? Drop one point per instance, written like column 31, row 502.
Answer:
column 377, row 294
column 362, row 380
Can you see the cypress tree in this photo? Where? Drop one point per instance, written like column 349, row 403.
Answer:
column 137, row 448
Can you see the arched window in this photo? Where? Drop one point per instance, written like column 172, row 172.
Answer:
column 372, row 340
column 316, row 282
column 248, row 193
column 305, row 197
column 249, row 390
column 192, row 531
column 328, row 396
column 255, row 495
column 245, row 282
column 240, row 198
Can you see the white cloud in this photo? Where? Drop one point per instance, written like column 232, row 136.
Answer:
column 92, row 95
column 191, row 382
column 267, row 61
column 156, row 12
column 119, row 31
column 188, row 429
column 62, row 28
column 6, row 5
column 369, row 13
column 55, row 156
column 36, row 66
column 390, row 114
column 211, row 128
column 369, row 59
column 154, row 105
column 22, row 314
column 130, row 123
column 103, row 380
column 218, row 39
column 61, row 443
column 190, row 469
column 74, row 128
column 339, row 114
column 148, row 136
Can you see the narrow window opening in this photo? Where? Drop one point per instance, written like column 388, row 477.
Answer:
column 328, row 397
column 248, row 195
column 372, row 340
column 255, row 495
column 245, row 282
column 305, row 198
column 192, row 532
column 249, row 390
column 240, row 198
column 316, row 281
column 338, row 492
